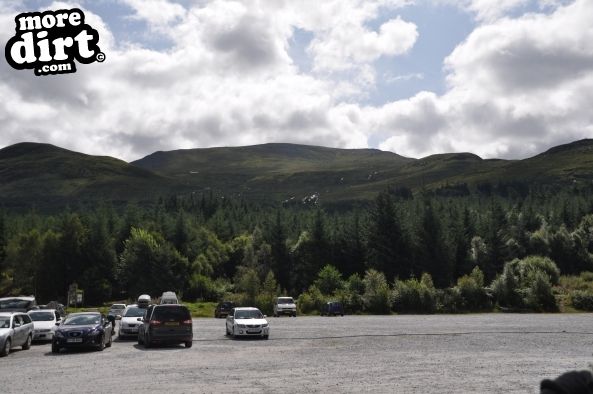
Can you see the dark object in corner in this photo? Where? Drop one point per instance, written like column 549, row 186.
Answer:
column 573, row 382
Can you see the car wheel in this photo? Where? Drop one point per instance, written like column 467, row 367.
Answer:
column 27, row 344
column 6, row 348
column 55, row 348
column 101, row 346
column 188, row 344
column 266, row 337
column 147, row 343
column 140, row 340
column 294, row 314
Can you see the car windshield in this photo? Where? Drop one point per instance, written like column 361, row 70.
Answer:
column 82, row 320
column 118, row 306
column 14, row 303
column 248, row 314
column 285, row 300
column 4, row 322
column 134, row 312
column 42, row 316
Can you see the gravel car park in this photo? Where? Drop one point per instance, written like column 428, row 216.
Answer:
column 490, row 353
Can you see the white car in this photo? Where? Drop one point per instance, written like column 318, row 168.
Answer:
column 116, row 310
column 247, row 322
column 285, row 306
column 44, row 323
column 128, row 325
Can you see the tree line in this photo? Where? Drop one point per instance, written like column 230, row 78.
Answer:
column 208, row 248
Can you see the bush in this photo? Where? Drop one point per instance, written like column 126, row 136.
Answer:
column 329, row 280
column 539, row 295
column 413, row 296
column 582, row 300
column 527, row 283
column 377, row 298
column 473, row 295
column 311, row 301
column 448, row 301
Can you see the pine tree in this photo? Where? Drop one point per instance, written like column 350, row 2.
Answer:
column 388, row 249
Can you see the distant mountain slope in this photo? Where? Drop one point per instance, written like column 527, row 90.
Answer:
column 46, row 175
column 275, row 171
column 43, row 174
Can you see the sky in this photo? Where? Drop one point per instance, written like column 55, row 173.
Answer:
column 499, row 78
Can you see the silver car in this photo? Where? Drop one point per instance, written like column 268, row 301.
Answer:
column 16, row 329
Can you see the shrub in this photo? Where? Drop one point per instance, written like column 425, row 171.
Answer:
column 329, row 280
column 582, row 300
column 413, row 296
column 376, row 297
column 527, row 283
column 473, row 295
column 311, row 300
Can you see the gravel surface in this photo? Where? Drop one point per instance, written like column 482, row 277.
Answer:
column 489, row 353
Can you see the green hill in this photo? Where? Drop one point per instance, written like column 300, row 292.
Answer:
column 45, row 175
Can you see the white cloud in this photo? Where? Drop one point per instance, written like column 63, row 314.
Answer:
column 515, row 86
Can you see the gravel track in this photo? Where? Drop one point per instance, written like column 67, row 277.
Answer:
column 485, row 353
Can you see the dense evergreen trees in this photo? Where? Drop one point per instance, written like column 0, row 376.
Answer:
column 204, row 247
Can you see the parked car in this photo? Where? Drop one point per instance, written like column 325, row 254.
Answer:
column 17, row 304
column 16, row 329
column 116, row 310
column 249, row 322
column 59, row 308
column 129, row 323
column 144, row 301
column 169, row 297
column 83, row 329
column 44, row 323
column 223, row 309
column 332, row 308
column 166, row 324
column 285, row 306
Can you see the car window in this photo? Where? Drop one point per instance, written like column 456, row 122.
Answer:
column 248, row 314
column 4, row 321
column 17, row 321
column 285, row 300
column 15, row 303
column 42, row 316
column 171, row 313
column 134, row 312
column 26, row 319
column 82, row 320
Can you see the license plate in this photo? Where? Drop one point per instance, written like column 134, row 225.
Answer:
column 74, row 340
column 41, row 335
column 253, row 331
column 173, row 323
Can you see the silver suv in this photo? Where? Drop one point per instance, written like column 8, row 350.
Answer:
column 285, row 306
column 16, row 329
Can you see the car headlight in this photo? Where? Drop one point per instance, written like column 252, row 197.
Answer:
column 241, row 325
column 264, row 325
column 94, row 331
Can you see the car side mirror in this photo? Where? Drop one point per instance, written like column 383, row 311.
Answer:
column 139, row 319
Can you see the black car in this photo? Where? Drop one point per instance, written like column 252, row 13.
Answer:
column 84, row 329
column 332, row 308
column 170, row 323
column 223, row 309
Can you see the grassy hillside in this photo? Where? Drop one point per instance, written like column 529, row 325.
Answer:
column 45, row 175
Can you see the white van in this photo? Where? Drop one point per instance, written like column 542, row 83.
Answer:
column 169, row 297
column 144, row 301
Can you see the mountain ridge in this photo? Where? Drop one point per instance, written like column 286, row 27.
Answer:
column 39, row 173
